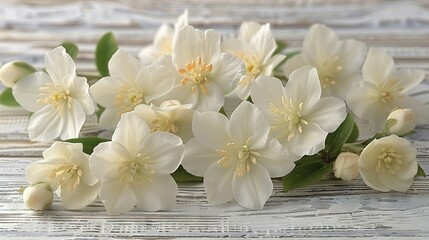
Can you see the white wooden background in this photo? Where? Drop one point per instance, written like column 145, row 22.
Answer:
column 29, row 28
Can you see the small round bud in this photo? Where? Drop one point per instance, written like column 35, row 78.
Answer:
column 12, row 72
column 38, row 197
column 401, row 122
column 346, row 166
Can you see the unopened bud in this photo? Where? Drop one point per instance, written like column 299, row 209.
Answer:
column 401, row 122
column 38, row 197
column 346, row 166
column 12, row 72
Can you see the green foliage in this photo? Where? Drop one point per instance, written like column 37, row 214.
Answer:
column 281, row 45
column 335, row 140
column 25, row 66
column 7, row 99
column 106, row 47
column 306, row 174
column 181, row 175
column 354, row 135
column 420, row 172
column 71, row 49
column 89, row 143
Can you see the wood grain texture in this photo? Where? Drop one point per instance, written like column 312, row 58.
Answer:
column 332, row 208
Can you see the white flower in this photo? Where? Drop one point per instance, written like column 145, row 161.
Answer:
column 129, row 84
column 66, row 168
column 163, row 42
column 383, row 89
column 299, row 118
column 58, row 98
column 338, row 62
column 38, row 197
column 203, row 74
column 388, row 163
column 236, row 157
column 170, row 116
column 254, row 46
column 12, row 72
column 135, row 167
column 346, row 166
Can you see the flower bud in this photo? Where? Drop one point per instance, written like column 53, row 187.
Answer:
column 346, row 166
column 14, row 71
column 401, row 122
column 38, row 197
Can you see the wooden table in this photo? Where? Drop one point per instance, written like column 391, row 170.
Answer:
column 332, row 208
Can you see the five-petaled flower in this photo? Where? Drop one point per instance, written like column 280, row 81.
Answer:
column 59, row 99
column 66, row 168
column 388, row 163
column 236, row 157
column 383, row 89
column 338, row 62
column 203, row 74
column 299, row 118
column 255, row 47
column 129, row 85
column 135, row 167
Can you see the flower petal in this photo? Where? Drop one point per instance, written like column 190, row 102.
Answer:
column 197, row 158
column 154, row 81
column 213, row 100
column 80, row 91
column 159, row 194
column 263, row 42
column 26, row 91
column 377, row 66
column 409, row 78
column 276, row 159
column 60, row 67
column 218, row 184
column 39, row 171
column 328, row 113
column 131, row 132
column 109, row 118
column 320, row 44
column 79, row 197
column 248, row 30
column 266, row 91
column 371, row 179
column 228, row 72
column 124, row 66
column 309, row 142
column 351, row 55
column 253, row 189
column 165, row 150
column 210, row 129
column 247, row 121
column 116, row 197
column 73, row 119
column 108, row 157
column 294, row 63
column 393, row 182
column 64, row 150
column 304, row 86
column 45, row 124
column 421, row 110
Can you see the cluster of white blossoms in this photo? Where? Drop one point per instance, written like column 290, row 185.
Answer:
column 163, row 109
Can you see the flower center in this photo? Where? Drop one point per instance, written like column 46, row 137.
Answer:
column 55, row 95
column 388, row 160
column 390, row 92
column 67, row 176
column 290, row 114
column 137, row 170
column 165, row 125
column 127, row 98
column 196, row 72
column 240, row 156
column 328, row 70
column 253, row 67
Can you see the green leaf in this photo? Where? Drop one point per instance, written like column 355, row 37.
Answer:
column 71, row 48
column 420, row 172
column 99, row 111
column 354, row 135
column 7, row 99
column 281, row 45
column 335, row 141
column 306, row 174
column 307, row 159
column 89, row 143
column 181, row 175
column 106, row 47
column 25, row 66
